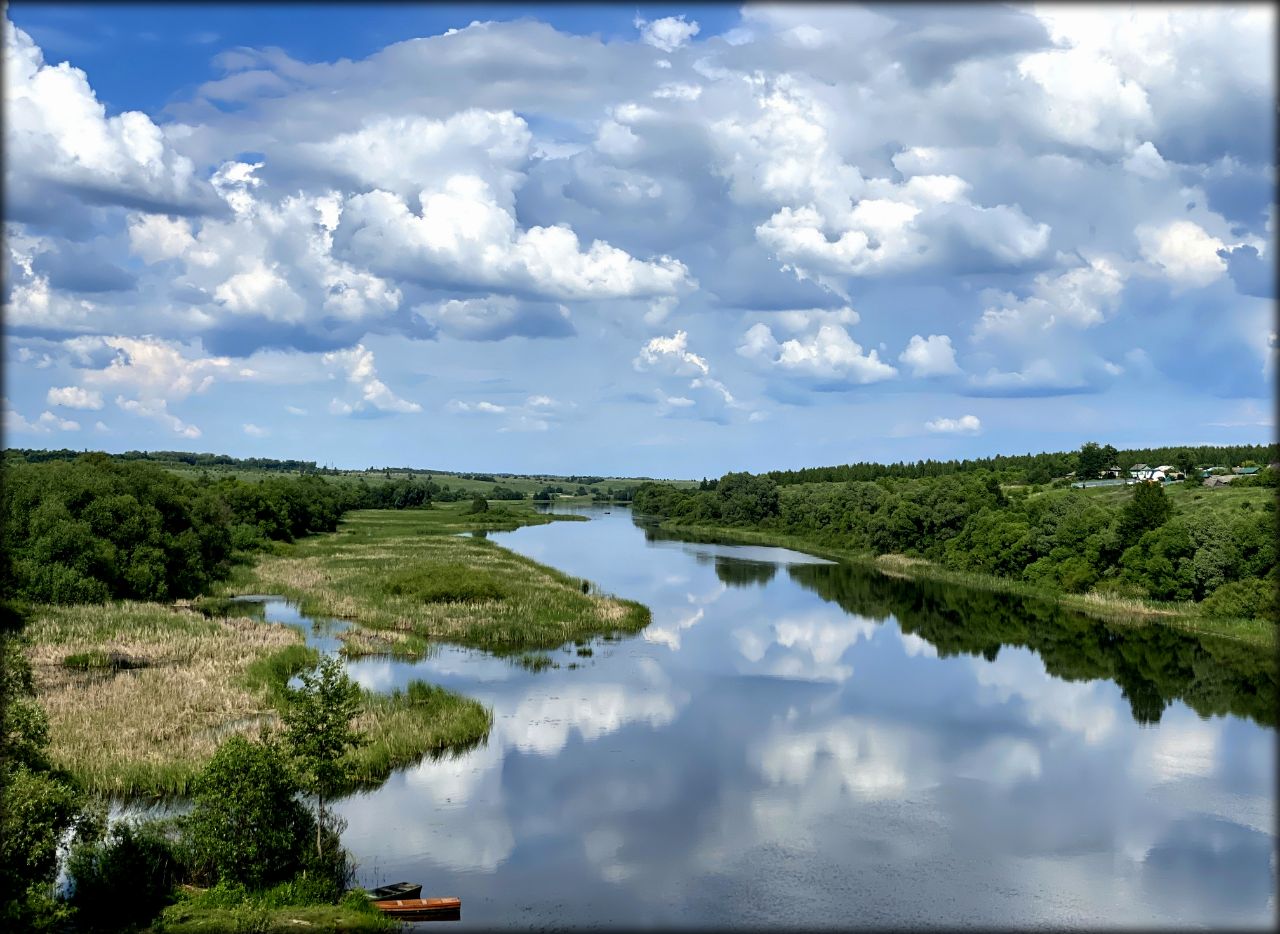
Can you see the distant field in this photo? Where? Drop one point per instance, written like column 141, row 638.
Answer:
column 523, row 483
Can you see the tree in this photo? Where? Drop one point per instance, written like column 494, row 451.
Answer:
column 478, row 504
column 317, row 720
column 247, row 825
column 38, row 805
column 1147, row 509
column 1185, row 462
column 1091, row 460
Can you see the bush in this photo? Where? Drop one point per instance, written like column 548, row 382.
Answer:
column 1246, row 599
column 478, row 504
column 248, row 825
column 124, row 879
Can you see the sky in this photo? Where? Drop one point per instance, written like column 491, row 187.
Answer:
column 669, row 241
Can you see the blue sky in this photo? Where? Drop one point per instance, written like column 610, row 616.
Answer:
column 661, row 240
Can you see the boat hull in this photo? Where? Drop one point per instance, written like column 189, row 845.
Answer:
column 422, row 908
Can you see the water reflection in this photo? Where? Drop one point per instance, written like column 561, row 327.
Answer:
column 804, row 743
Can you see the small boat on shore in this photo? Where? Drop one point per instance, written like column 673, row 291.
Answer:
column 423, row 909
column 395, row 890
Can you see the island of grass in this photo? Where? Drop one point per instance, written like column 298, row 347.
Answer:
column 139, row 695
column 408, row 578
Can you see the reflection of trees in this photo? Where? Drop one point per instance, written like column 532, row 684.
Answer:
column 1153, row 665
column 739, row 573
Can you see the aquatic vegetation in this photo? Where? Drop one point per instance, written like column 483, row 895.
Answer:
column 409, row 574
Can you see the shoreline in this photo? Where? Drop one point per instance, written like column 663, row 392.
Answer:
column 1119, row 610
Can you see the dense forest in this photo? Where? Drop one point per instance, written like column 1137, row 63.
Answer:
column 1131, row 544
column 100, row 527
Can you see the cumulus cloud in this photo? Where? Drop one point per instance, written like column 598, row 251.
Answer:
column 57, row 135
column 930, row 356
column 672, row 354
column 1184, row 251
column 668, row 33
column 965, row 424
column 373, row 394
column 254, row 431
column 47, row 422
column 74, row 397
column 829, row 354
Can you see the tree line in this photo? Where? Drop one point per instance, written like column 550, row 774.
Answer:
column 1068, row 541
column 100, row 527
column 1033, row 468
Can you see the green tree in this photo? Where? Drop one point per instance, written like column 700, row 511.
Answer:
column 1185, row 461
column 317, row 721
column 1091, row 460
column 247, row 825
column 479, row 504
column 1147, row 509
column 38, row 804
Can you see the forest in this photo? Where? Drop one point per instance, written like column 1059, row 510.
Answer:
column 98, row 527
column 1138, row 542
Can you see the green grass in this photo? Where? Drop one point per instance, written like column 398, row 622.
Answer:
column 232, row 909
column 1261, row 633
column 406, row 578
column 403, row 726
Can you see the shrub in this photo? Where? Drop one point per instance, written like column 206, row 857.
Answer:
column 124, row 879
column 1246, row 599
column 478, row 504
column 248, row 825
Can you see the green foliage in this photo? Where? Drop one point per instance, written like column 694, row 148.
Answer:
column 317, row 721
column 478, row 504
column 38, row 805
column 98, row 527
column 247, row 825
column 1245, row 599
column 1148, row 509
column 1123, row 542
column 124, row 879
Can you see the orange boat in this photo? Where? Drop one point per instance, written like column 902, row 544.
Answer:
column 437, row 908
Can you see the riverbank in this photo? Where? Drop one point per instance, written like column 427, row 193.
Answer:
column 139, row 695
column 407, row 578
column 1123, row 611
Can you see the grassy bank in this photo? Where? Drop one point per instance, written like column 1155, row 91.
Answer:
column 1261, row 633
column 139, row 695
column 215, row 910
column 407, row 577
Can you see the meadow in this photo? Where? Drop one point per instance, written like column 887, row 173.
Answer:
column 407, row 578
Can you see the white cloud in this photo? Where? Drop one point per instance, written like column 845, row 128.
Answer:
column 1183, row 251
column 14, row 422
column 57, row 132
column 930, row 356
column 358, row 364
column 673, row 354
column 295, row 410
column 464, row 236
column 829, row 353
column 965, row 424
column 74, row 397
column 668, row 33
column 488, row 408
column 1079, row 298
column 254, row 431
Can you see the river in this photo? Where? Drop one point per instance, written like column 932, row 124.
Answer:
column 798, row 743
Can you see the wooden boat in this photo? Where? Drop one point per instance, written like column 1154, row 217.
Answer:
column 395, row 890
column 442, row 909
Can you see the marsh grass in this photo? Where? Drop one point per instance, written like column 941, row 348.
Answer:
column 403, row 726
column 409, row 573
column 148, row 730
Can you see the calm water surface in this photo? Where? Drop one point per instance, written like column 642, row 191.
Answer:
column 800, row 743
